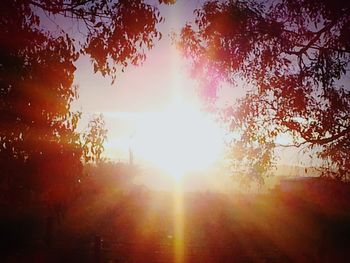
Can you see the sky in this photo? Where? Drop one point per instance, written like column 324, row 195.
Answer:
column 148, row 88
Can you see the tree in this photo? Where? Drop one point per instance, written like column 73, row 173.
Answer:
column 115, row 32
column 37, row 128
column 295, row 55
column 94, row 139
column 40, row 149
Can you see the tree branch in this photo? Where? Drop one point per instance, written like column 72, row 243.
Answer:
column 326, row 140
column 311, row 43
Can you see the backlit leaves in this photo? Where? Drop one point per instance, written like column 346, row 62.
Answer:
column 295, row 54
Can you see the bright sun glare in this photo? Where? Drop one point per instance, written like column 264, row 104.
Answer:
column 179, row 139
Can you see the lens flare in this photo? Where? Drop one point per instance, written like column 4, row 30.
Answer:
column 179, row 222
column 180, row 139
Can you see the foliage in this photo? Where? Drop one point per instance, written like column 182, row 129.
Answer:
column 37, row 127
column 295, row 54
column 40, row 149
column 94, row 139
column 116, row 32
column 107, row 176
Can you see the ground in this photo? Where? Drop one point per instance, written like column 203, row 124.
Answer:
column 139, row 227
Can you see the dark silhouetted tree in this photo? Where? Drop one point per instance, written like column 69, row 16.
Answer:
column 40, row 150
column 37, row 132
column 294, row 54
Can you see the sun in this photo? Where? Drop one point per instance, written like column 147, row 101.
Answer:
column 180, row 139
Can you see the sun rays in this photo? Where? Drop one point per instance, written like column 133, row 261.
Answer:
column 179, row 140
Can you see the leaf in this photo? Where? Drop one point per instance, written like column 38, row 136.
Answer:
column 99, row 24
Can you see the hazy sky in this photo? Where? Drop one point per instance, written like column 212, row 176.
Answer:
column 145, row 88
